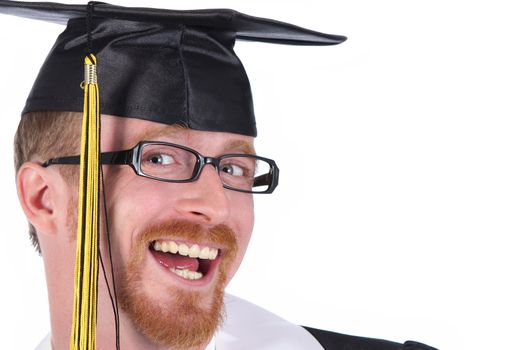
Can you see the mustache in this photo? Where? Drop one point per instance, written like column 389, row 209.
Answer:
column 220, row 235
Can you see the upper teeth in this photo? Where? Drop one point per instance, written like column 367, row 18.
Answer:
column 193, row 251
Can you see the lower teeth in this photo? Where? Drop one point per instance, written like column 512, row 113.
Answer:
column 187, row 274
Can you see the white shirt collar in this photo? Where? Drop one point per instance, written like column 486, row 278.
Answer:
column 211, row 345
column 249, row 326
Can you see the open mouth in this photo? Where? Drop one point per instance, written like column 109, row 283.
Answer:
column 188, row 261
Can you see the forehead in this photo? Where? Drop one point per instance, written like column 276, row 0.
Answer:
column 120, row 133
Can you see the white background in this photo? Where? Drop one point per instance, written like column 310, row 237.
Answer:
column 400, row 209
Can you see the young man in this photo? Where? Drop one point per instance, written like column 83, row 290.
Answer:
column 178, row 172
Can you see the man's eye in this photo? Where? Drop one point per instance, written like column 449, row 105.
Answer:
column 160, row 159
column 232, row 169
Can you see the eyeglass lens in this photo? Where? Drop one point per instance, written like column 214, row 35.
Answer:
column 167, row 162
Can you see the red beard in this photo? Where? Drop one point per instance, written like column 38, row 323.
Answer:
column 183, row 321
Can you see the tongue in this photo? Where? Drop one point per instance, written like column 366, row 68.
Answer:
column 176, row 261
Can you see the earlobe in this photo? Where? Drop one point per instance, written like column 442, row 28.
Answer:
column 35, row 192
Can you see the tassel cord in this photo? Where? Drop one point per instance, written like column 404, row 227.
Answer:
column 112, row 296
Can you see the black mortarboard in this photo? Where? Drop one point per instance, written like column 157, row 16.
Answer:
column 161, row 65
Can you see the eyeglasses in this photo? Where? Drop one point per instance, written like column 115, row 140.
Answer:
column 170, row 162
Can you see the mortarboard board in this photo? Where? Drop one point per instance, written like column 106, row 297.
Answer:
column 161, row 65
column 166, row 66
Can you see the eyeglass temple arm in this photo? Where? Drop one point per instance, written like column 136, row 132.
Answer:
column 119, row 158
column 262, row 180
column 271, row 179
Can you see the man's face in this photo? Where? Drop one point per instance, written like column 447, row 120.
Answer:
column 172, row 297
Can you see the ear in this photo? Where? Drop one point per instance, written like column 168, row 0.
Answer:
column 36, row 191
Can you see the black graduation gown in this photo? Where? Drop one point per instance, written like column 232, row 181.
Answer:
column 338, row 341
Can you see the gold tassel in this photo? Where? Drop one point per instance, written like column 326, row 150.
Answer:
column 83, row 329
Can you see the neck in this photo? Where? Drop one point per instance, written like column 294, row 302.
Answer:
column 130, row 337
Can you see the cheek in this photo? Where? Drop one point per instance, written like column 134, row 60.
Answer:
column 132, row 206
column 132, row 200
column 243, row 216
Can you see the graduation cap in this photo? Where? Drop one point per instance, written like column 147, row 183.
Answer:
column 166, row 66
column 161, row 65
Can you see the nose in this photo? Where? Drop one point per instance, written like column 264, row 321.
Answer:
column 204, row 200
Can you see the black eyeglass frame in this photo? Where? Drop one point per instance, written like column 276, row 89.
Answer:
column 131, row 157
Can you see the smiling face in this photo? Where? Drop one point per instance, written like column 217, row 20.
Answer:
column 175, row 245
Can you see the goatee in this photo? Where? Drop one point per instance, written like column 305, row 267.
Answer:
column 182, row 321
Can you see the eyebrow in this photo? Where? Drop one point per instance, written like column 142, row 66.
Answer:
column 165, row 130
column 234, row 146
column 240, row 146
